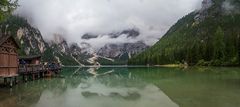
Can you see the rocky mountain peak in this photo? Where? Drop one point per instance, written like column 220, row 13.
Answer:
column 202, row 13
column 124, row 50
column 216, row 8
column 59, row 49
column 58, row 39
column 75, row 49
column 206, row 4
column 231, row 7
column 89, row 36
column 59, row 44
column 130, row 33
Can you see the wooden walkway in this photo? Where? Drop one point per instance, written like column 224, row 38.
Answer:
column 30, row 72
column 37, row 71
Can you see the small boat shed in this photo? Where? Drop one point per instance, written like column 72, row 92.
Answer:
column 8, row 58
column 34, row 60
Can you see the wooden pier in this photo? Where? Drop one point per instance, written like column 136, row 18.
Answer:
column 30, row 68
column 32, row 72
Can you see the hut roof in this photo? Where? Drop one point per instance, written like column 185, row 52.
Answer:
column 30, row 57
column 4, row 38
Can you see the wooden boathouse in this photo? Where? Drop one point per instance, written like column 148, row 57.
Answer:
column 29, row 67
column 34, row 59
column 8, row 59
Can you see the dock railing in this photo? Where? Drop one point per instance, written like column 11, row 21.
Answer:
column 33, row 68
column 30, row 68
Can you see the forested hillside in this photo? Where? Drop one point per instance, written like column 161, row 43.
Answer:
column 210, row 36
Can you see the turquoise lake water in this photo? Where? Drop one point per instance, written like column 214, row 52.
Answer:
column 129, row 87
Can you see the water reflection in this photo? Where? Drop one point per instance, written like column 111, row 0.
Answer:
column 87, row 87
column 127, row 87
column 104, row 90
column 93, row 71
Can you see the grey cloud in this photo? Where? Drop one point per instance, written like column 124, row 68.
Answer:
column 230, row 7
column 74, row 18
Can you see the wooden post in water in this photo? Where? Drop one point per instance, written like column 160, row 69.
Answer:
column 33, row 76
column 238, row 43
column 43, row 74
column 23, row 78
column 26, row 77
column 15, row 80
column 11, row 82
column 5, row 81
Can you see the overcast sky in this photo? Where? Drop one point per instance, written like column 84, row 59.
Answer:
column 73, row 18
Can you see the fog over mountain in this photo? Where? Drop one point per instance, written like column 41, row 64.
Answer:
column 74, row 18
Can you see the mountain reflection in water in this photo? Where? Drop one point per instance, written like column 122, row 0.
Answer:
column 129, row 87
column 89, row 87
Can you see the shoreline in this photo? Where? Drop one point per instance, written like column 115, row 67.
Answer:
column 130, row 66
column 134, row 66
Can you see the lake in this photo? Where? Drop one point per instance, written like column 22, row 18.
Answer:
column 129, row 87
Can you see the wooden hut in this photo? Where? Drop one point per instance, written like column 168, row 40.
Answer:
column 34, row 60
column 30, row 66
column 8, row 57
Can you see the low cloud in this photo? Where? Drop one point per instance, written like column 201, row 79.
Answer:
column 74, row 18
column 229, row 7
column 103, row 39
